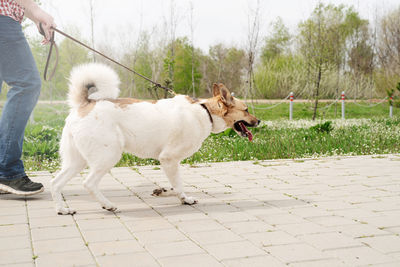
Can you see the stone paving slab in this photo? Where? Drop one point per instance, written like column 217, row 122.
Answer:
column 337, row 211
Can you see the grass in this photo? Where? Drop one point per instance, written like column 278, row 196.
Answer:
column 369, row 131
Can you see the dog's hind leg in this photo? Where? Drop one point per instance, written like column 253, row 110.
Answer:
column 72, row 164
column 91, row 183
column 97, row 170
column 171, row 169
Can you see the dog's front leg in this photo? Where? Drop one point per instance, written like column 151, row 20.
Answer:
column 171, row 169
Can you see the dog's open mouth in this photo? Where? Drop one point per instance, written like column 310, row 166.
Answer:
column 241, row 128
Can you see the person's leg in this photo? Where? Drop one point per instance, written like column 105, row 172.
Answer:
column 18, row 69
column 1, row 84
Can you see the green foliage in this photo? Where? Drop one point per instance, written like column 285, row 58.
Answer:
column 277, row 43
column 180, row 62
column 322, row 40
column 286, row 140
column 325, row 127
column 385, row 82
column 279, row 75
column 360, row 50
column 226, row 65
column 323, row 36
column 228, row 132
column 41, row 145
column 393, row 98
column 141, row 59
column 41, row 141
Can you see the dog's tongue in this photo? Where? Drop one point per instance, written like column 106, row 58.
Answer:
column 244, row 129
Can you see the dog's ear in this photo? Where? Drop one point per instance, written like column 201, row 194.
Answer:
column 215, row 89
column 226, row 96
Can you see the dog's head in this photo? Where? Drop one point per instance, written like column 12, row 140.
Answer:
column 230, row 112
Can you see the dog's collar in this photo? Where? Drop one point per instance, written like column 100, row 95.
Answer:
column 208, row 112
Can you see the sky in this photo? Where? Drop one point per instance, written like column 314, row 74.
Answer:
column 118, row 22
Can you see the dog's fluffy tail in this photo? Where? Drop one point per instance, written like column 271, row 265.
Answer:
column 92, row 81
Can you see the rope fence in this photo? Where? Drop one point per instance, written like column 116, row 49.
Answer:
column 342, row 99
column 274, row 106
column 373, row 105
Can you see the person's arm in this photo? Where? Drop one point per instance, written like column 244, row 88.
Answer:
column 37, row 15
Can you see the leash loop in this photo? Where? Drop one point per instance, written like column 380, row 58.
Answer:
column 169, row 90
column 52, row 44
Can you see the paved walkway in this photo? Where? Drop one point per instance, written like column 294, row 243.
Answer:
column 341, row 211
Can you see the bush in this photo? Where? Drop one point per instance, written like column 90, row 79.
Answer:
column 325, row 127
column 41, row 142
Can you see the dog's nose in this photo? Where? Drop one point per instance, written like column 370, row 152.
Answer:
column 258, row 122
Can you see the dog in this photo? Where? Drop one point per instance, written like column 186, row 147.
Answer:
column 101, row 126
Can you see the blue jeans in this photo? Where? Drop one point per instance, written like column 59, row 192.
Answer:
column 18, row 69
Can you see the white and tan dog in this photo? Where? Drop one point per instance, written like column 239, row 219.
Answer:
column 101, row 126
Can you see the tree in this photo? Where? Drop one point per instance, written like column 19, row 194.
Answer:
column 183, row 64
column 91, row 7
column 138, row 58
column 278, row 76
column 360, row 57
column 389, row 50
column 277, row 43
column 191, row 24
column 169, row 62
column 253, row 33
column 314, row 48
column 279, row 71
column 322, row 42
column 360, row 50
column 224, row 64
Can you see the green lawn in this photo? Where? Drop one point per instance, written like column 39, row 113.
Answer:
column 367, row 131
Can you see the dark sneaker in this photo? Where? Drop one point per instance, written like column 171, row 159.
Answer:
column 21, row 186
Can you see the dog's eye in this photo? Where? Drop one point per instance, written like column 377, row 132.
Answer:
column 246, row 110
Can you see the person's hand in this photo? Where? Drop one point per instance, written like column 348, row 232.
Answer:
column 39, row 17
column 47, row 22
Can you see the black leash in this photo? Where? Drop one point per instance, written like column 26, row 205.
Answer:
column 53, row 43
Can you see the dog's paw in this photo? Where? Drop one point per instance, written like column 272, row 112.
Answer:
column 163, row 192
column 189, row 201
column 110, row 208
column 158, row 191
column 65, row 211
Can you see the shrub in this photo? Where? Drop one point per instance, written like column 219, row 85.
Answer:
column 41, row 141
column 325, row 127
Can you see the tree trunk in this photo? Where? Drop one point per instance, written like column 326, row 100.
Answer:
column 92, row 27
column 317, row 92
column 193, row 85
